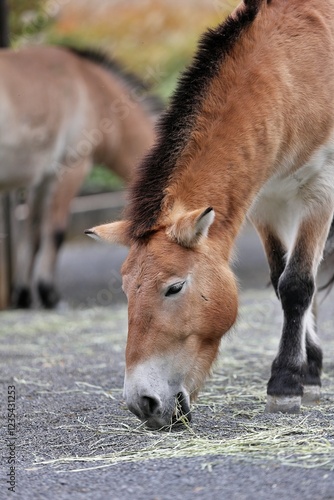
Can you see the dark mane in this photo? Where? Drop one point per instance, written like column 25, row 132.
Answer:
column 175, row 126
column 155, row 105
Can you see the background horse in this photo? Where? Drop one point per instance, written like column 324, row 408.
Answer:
column 62, row 111
column 250, row 130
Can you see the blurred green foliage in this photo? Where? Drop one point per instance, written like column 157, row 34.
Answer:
column 26, row 19
column 100, row 179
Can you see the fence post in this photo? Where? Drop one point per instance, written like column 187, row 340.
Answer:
column 5, row 222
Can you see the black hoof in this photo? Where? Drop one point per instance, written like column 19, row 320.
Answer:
column 48, row 295
column 21, row 298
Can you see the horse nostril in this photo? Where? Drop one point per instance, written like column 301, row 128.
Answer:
column 135, row 410
column 149, row 405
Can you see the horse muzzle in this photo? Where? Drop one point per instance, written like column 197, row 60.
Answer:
column 155, row 392
column 158, row 414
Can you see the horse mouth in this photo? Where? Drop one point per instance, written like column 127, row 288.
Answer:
column 181, row 415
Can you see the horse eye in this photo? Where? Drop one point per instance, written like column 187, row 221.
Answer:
column 174, row 289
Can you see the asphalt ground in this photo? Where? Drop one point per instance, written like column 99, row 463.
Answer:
column 74, row 437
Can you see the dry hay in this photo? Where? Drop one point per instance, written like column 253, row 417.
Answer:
column 228, row 417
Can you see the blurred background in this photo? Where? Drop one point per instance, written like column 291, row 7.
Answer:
column 155, row 40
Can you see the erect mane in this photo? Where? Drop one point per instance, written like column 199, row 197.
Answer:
column 99, row 57
column 176, row 124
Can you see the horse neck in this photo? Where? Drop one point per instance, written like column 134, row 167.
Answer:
column 227, row 160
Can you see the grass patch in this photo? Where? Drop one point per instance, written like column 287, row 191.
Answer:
column 295, row 443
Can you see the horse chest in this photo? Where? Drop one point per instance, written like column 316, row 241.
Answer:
column 284, row 201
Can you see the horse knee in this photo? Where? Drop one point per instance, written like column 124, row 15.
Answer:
column 296, row 291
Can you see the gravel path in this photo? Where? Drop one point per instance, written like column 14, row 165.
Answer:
column 76, row 439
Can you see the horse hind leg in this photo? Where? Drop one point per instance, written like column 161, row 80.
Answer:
column 312, row 374
column 312, row 381
column 47, row 291
column 54, row 230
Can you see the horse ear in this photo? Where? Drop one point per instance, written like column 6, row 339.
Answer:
column 115, row 232
column 191, row 227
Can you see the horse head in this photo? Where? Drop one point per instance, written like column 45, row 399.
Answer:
column 182, row 297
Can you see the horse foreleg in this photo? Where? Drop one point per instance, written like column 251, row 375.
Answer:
column 297, row 368
column 27, row 236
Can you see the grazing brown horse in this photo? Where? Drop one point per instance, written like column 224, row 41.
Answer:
column 249, row 131
column 62, row 111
